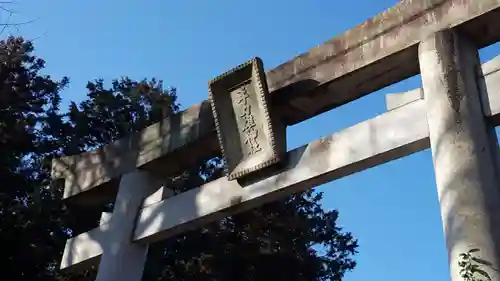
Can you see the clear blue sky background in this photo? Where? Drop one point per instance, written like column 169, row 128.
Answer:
column 392, row 209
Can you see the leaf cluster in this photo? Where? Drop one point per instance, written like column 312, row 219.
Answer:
column 471, row 266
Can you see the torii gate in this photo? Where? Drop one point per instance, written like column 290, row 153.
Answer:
column 454, row 114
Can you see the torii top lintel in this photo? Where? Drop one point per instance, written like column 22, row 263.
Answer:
column 370, row 56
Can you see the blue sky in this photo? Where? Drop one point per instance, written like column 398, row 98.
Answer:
column 392, row 209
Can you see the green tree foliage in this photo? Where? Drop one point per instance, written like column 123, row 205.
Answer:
column 472, row 267
column 273, row 242
column 30, row 215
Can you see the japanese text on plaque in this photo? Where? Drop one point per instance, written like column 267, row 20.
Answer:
column 250, row 130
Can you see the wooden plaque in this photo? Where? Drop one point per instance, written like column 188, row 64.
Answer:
column 250, row 137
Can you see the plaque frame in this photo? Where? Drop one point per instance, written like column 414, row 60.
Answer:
column 219, row 94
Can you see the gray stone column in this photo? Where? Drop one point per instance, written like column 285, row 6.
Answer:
column 462, row 150
column 123, row 260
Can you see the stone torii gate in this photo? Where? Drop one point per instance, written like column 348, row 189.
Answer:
column 454, row 113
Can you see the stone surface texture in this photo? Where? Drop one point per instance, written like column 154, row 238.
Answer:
column 455, row 118
column 389, row 136
column 372, row 55
column 250, row 138
column 394, row 101
column 463, row 150
column 83, row 250
column 121, row 259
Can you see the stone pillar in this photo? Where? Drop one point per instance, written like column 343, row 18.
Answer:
column 123, row 260
column 462, row 150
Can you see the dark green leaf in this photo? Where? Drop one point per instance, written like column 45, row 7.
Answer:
column 483, row 273
column 481, row 261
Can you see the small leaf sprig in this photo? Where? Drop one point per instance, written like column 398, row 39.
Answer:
column 470, row 266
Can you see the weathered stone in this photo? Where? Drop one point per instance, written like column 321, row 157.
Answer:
column 250, row 138
column 394, row 134
column 121, row 259
column 394, row 101
column 464, row 149
column 372, row 55
column 179, row 136
column 489, row 85
column 379, row 52
column 84, row 250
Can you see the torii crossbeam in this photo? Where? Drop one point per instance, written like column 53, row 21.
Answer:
column 453, row 114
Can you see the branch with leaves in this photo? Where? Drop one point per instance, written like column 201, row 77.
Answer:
column 470, row 266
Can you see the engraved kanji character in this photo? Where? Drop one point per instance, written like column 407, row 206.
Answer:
column 246, row 111
column 249, row 123
column 243, row 95
column 251, row 141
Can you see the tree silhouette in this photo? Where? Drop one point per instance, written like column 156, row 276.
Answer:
column 273, row 242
